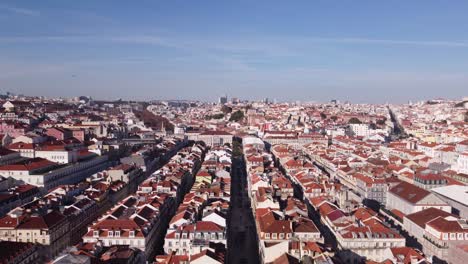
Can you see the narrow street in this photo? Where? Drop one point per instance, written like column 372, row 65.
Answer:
column 242, row 234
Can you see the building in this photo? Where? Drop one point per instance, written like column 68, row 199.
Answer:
column 8, row 156
column 124, row 172
column 408, row 198
column 371, row 188
column 48, row 174
column 462, row 163
column 223, row 100
column 59, row 133
column 136, row 222
column 456, row 196
column 19, row 253
column 50, row 230
column 215, row 138
column 194, row 238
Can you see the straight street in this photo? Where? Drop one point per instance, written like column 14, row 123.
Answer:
column 242, row 236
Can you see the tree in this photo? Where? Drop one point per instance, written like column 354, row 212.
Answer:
column 226, row 109
column 354, row 120
column 381, row 121
column 217, row 116
column 237, row 116
column 236, row 148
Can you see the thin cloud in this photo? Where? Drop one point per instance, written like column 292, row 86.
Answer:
column 20, row 11
column 214, row 44
column 391, row 42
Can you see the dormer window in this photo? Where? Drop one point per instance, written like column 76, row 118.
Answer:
column 95, row 233
column 111, row 234
column 117, row 233
column 132, row 234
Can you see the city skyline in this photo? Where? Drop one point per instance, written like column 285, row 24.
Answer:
column 308, row 51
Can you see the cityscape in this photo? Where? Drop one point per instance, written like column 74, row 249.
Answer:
column 236, row 181
column 238, row 132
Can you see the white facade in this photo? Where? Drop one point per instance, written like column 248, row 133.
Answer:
column 462, row 163
column 58, row 156
column 361, row 130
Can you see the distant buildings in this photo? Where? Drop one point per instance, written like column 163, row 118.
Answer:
column 223, row 100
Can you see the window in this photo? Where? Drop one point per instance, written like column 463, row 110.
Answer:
column 274, row 236
column 132, row 234
column 267, row 235
column 117, row 233
column 96, row 234
column 111, row 233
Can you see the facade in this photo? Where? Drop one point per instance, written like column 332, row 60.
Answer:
column 372, row 189
column 8, row 156
column 215, row 138
column 47, row 174
column 19, row 253
column 50, row 230
column 59, row 133
column 462, row 163
column 194, row 238
column 456, row 196
column 131, row 223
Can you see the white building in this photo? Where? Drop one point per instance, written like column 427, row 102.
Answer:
column 193, row 239
column 408, row 198
column 462, row 163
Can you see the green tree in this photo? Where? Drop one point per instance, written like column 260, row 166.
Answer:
column 226, row 109
column 217, row 116
column 237, row 116
column 354, row 120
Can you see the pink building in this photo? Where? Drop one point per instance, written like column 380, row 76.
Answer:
column 59, row 133
column 12, row 129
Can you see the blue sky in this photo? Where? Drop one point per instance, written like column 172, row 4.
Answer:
column 362, row 51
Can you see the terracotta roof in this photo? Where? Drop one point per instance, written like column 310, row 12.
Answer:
column 422, row 217
column 44, row 222
column 409, row 192
column 447, row 226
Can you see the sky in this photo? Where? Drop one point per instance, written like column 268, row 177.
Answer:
column 360, row 51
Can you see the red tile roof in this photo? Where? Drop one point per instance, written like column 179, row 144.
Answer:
column 409, row 192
